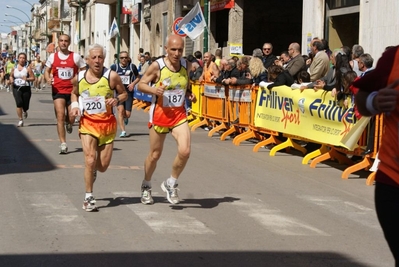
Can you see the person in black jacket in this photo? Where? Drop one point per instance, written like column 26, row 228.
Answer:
column 268, row 58
column 279, row 76
column 231, row 72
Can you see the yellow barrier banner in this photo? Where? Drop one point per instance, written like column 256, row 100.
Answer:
column 310, row 114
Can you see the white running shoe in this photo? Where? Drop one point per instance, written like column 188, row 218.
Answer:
column 63, row 148
column 146, row 197
column 89, row 204
column 123, row 134
column 171, row 192
column 21, row 123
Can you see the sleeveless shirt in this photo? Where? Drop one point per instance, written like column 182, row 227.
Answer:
column 168, row 110
column 63, row 72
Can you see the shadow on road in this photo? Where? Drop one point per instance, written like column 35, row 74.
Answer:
column 203, row 203
column 192, row 259
column 18, row 155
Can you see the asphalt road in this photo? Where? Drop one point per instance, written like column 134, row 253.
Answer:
column 238, row 208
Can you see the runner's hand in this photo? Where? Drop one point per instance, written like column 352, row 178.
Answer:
column 75, row 112
column 159, row 90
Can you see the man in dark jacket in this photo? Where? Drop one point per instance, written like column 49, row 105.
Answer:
column 268, row 58
column 231, row 72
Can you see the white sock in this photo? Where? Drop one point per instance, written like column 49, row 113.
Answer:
column 146, row 183
column 171, row 181
column 89, row 195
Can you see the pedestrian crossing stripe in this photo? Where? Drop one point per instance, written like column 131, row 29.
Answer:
column 276, row 222
column 165, row 221
column 53, row 213
column 349, row 210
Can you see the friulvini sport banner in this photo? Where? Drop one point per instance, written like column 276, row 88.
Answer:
column 309, row 114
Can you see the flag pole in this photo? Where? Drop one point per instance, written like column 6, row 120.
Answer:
column 118, row 22
column 206, row 15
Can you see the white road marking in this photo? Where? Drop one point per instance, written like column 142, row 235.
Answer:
column 347, row 209
column 53, row 213
column 274, row 221
column 161, row 219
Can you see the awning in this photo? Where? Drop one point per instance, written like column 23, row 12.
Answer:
column 216, row 5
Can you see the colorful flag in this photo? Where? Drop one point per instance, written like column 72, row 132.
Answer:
column 114, row 30
column 193, row 24
column 76, row 38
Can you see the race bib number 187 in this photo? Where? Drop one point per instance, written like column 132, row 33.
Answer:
column 173, row 98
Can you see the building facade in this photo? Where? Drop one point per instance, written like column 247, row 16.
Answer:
column 235, row 26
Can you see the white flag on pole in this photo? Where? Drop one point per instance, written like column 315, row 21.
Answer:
column 76, row 35
column 193, row 24
column 114, row 30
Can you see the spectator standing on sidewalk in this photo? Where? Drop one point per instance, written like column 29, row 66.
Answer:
column 379, row 94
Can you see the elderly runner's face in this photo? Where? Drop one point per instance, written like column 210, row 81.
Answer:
column 96, row 60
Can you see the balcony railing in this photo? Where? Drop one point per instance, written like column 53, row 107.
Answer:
column 77, row 3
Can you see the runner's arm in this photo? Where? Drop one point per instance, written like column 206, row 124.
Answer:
column 151, row 75
column 31, row 76
column 135, row 81
column 12, row 76
column 116, row 84
column 75, row 111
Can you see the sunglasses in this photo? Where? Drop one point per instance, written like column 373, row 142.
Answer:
column 266, row 48
column 123, row 58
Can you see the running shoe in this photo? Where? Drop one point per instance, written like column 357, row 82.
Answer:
column 89, row 204
column 146, row 197
column 171, row 192
column 25, row 114
column 123, row 134
column 21, row 123
column 126, row 121
column 68, row 127
column 63, row 148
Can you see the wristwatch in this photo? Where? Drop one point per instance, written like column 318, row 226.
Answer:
column 117, row 99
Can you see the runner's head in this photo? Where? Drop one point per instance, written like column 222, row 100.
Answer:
column 174, row 48
column 95, row 56
column 22, row 59
column 63, row 42
column 123, row 58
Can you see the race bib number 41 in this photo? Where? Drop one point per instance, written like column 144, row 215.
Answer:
column 94, row 104
column 19, row 82
column 173, row 98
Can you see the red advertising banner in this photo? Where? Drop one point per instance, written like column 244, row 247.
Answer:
column 221, row 4
column 127, row 7
column 136, row 14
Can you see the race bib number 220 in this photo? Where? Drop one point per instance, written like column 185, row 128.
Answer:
column 94, row 104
